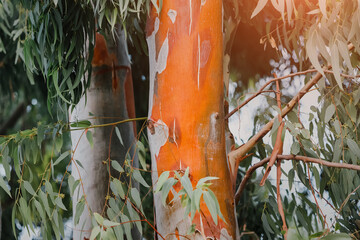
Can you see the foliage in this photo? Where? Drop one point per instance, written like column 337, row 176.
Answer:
column 54, row 39
column 190, row 197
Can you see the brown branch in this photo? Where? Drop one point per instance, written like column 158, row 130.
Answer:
column 238, row 153
column 261, row 90
column 278, row 196
column 290, row 157
column 278, row 147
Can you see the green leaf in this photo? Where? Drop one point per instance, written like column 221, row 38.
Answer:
column 295, row 148
column 117, row 166
column 141, row 154
column 186, row 183
column 118, row 134
column 108, row 223
column 205, row 179
column 118, row 188
column 291, row 176
column 127, row 226
column 163, row 177
column 40, row 210
column 61, row 157
column 29, row 188
column 137, row 176
column 136, row 197
column 81, row 124
column 330, row 110
column 3, row 186
column 209, row 201
column 95, row 232
column 354, row 147
column 99, row 219
column 337, row 236
column 89, row 137
column 5, row 161
column 59, row 203
column 166, row 188
column 79, row 209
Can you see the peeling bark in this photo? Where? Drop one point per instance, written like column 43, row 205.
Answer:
column 186, row 109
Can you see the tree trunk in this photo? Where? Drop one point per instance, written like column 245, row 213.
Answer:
column 186, row 107
column 110, row 95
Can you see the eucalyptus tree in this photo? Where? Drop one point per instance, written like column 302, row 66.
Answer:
column 194, row 175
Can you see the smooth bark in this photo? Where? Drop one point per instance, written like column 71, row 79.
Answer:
column 186, row 109
column 109, row 99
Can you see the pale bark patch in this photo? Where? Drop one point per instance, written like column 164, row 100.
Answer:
column 159, row 65
column 205, row 52
column 172, row 15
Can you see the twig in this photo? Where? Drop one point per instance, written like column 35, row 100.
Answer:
column 278, row 147
column 290, row 157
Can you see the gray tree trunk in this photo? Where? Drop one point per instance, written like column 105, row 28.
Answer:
column 102, row 100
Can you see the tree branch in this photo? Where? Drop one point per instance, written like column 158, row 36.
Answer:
column 290, row 157
column 238, row 153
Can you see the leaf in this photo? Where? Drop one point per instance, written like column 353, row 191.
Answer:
column 3, row 186
column 186, row 183
column 210, row 205
column 61, row 157
column 196, row 198
column 137, row 176
column 163, row 177
column 59, row 203
column 40, row 210
column 117, row 166
column 266, row 224
column 344, row 52
column 118, row 187
column 108, row 223
column 6, row 166
column 29, row 188
column 95, row 232
column 260, row 5
column 305, row 133
column 141, row 154
column 291, row 176
column 335, row 62
column 166, row 188
column 81, row 124
column 118, row 134
column 337, row 236
column 79, row 209
column 99, row 219
column 330, row 110
column 136, row 197
column 89, row 137
column 354, row 147
column 312, row 53
column 205, row 179
column 322, row 5
column 295, row 148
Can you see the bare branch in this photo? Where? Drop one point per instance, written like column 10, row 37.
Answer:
column 290, row 157
column 236, row 154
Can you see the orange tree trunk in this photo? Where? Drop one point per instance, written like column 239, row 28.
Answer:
column 186, row 109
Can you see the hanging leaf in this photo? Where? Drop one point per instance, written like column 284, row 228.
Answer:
column 260, row 5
